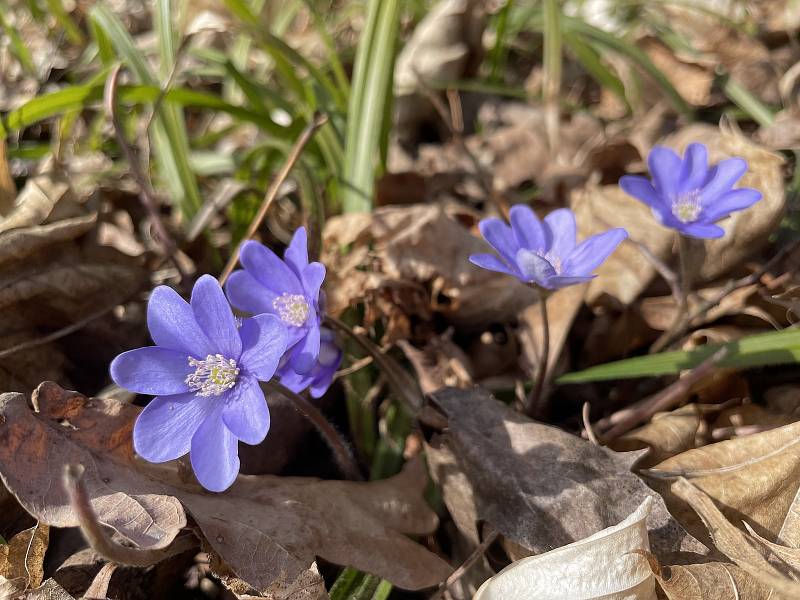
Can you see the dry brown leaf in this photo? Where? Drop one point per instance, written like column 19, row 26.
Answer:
column 267, row 529
column 755, row 478
column 49, row 590
column 22, row 559
column 626, row 273
column 441, row 363
column 708, row 581
column 667, row 434
column 539, row 486
column 734, row 543
column 692, row 78
column 35, row 201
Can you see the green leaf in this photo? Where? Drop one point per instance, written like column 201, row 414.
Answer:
column 372, row 85
column 170, row 140
column 590, row 60
column 738, row 94
column 18, row 47
column 774, row 348
column 637, row 55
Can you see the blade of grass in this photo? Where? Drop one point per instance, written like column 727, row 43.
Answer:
column 170, row 141
column 774, row 348
column 590, row 60
column 18, row 47
column 69, row 27
column 552, row 70
column 738, row 94
column 374, row 68
column 499, row 52
column 638, row 56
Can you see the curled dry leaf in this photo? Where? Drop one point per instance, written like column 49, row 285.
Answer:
column 667, row 434
column 603, row 566
column 268, row 530
column 537, row 485
column 734, row 543
column 755, row 478
column 707, row 581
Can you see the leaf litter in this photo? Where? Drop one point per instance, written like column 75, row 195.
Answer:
column 694, row 500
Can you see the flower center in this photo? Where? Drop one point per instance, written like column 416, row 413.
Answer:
column 212, row 376
column 555, row 262
column 292, row 308
column 686, row 207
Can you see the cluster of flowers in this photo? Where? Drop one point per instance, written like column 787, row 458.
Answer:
column 205, row 367
column 685, row 194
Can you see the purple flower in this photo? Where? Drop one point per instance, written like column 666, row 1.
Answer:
column 320, row 377
column 204, row 372
column 686, row 194
column 289, row 289
column 544, row 253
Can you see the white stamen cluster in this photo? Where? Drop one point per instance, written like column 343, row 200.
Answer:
column 292, row 308
column 687, row 207
column 213, row 375
column 555, row 261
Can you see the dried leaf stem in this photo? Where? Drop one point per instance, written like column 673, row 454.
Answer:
column 668, row 398
column 272, row 192
column 466, row 565
column 97, row 537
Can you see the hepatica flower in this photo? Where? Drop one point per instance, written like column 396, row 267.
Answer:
column 544, row 253
column 688, row 195
column 320, row 377
column 288, row 289
column 204, row 372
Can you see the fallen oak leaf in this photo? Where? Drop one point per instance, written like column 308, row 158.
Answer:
column 706, row 581
column 539, row 486
column 734, row 543
column 269, row 530
column 22, row 559
column 728, row 471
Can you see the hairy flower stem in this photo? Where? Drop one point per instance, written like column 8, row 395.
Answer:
column 341, row 451
column 681, row 320
column 536, row 408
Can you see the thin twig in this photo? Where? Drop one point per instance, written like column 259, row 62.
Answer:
column 97, row 537
column 341, row 451
column 165, row 87
column 294, row 154
column 356, row 366
column 587, row 424
column 535, row 407
column 145, row 193
column 729, row 288
column 666, row 273
column 666, row 399
column 466, row 565
column 403, row 385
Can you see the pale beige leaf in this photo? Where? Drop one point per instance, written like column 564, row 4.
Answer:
column 602, row 566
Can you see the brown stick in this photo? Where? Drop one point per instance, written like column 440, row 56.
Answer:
column 272, row 192
column 587, row 424
column 466, row 565
column 97, row 537
column 666, row 399
column 145, row 193
column 341, row 452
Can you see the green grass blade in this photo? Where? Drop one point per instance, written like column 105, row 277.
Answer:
column 738, row 94
column 590, row 60
column 499, row 52
column 774, row 348
column 638, row 56
column 61, row 15
column 170, row 140
column 18, row 47
column 374, row 68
